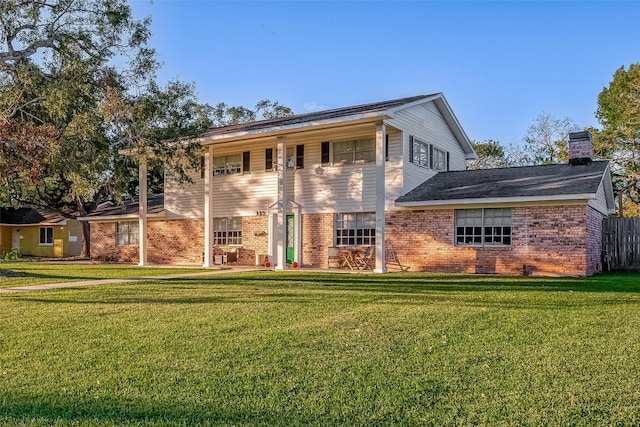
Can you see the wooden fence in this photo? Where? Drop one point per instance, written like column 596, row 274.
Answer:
column 621, row 243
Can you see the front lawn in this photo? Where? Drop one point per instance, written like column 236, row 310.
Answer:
column 25, row 273
column 295, row 348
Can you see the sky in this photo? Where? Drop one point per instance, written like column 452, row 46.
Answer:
column 499, row 64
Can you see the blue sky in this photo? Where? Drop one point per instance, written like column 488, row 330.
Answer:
column 499, row 64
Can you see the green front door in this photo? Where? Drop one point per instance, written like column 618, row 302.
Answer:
column 290, row 238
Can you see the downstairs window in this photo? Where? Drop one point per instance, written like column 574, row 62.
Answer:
column 483, row 227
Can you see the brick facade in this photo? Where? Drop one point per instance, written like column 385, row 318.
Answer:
column 317, row 236
column 549, row 240
column 553, row 240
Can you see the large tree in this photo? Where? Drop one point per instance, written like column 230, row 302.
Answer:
column 64, row 65
column 619, row 114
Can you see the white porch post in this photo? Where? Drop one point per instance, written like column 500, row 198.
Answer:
column 142, row 211
column 297, row 245
column 381, row 134
column 208, row 208
column 281, row 226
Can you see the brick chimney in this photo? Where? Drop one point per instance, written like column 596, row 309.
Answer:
column 580, row 148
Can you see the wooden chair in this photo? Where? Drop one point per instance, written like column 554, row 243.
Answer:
column 391, row 257
column 333, row 254
column 364, row 260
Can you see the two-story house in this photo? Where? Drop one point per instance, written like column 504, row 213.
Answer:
column 386, row 177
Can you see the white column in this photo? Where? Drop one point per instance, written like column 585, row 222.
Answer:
column 281, row 226
column 381, row 135
column 297, row 251
column 208, row 207
column 142, row 211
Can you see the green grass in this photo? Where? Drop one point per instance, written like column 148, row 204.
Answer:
column 37, row 273
column 299, row 348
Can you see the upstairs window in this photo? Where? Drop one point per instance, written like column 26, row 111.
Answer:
column 440, row 160
column 428, row 156
column 354, row 151
column 483, row 227
column 227, row 165
column 418, row 152
column 46, row 236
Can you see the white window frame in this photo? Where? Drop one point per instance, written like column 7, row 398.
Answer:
column 483, row 227
column 227, row 231
column 48, row 236
column 354, row 229
column 127, row 233
column 227, row 165
column 420, row 153
column 439, row 160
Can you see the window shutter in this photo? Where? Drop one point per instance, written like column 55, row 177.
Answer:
column 447, row 160
column 268, row 159
column 386, row 148
column 324, row 156
column 300, row 156
column 202, row 167
column 246, row 161
column 431, row 156
column 410, row 149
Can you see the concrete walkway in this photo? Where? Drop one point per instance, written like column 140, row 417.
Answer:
column 128, row 279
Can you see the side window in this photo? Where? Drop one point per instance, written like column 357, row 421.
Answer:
column 418, row 152
column 46, row 236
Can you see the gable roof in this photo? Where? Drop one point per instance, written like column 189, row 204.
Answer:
column 128, row 209
column 30, row 216
column 371, row 111
column 528, row 183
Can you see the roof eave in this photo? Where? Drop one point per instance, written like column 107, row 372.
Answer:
column 354, row 118
column 445, row 109
column 130, row 216
column 497, row 200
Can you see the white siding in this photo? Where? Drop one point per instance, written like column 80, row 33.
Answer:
column 599, row 203
column 426, row 123
column 317, row 188
column 187, row 202
column 234, row 195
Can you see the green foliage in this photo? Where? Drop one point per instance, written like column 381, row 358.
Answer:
column 324, row 349
column 490, row 155
column 13, row 255
column 619, row 114
column 225, row 115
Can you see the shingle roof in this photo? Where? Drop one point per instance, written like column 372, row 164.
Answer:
column 155, row 205
column 525, row 182
column 315, row 116
column 29, row 216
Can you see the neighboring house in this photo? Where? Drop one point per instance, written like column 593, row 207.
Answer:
column 39, row 232
column 387, row 175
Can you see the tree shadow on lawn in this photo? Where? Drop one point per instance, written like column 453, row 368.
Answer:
column 420, row 282
column 44, row 410
column 401, row 290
